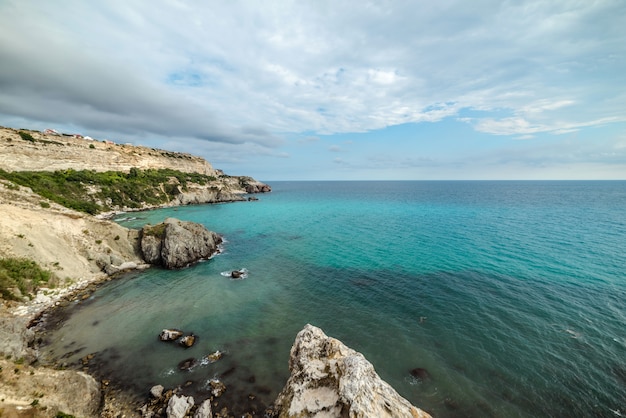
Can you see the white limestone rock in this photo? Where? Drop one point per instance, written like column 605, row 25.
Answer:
column 329, row 379
column 204, row 410
column 179, row 406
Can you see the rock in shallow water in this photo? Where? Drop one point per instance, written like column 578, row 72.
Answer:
column 157, row 391
column 170, row 334
column 175, row 244
column 331, row 379
column 187, row 364
column 217, row 387
column 213, row 357
column 188, row 341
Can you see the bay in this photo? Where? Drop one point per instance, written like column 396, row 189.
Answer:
column 511, row 294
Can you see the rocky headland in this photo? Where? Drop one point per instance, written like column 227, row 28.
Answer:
column 327, row 379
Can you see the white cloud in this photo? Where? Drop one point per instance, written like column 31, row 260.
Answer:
column 250, row 73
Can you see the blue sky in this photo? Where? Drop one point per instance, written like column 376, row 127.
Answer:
column 323, row 90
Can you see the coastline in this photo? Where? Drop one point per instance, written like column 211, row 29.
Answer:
column 93, row 249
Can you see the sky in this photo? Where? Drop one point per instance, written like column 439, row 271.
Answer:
column 331, row 90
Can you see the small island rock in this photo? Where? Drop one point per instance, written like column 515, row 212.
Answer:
column 175, row 244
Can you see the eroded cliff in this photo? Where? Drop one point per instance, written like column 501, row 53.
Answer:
column 58, row 152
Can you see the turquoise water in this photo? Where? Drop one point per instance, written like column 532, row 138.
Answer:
column 512, row 295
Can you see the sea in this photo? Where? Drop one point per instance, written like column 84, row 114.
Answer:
column 509, row 296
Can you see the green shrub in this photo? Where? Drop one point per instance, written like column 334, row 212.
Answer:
column 156, row 231
column 27, row 137
column 22, row 274
column 133, row 189
column 44, row 205
column 92, row 146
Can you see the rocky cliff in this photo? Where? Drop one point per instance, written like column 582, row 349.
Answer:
column 329, row 379
column 58, row 152
column 99, row 176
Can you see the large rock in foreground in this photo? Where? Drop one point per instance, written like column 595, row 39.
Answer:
column 332, row 380
column 176, row 244
column 38, row 392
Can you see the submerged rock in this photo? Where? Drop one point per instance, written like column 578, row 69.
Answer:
column 187, row 364
column 176, row 244
column 420, row 373
column 213, row 357
column 331, row 379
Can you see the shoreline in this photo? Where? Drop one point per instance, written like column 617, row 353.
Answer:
column 120, row 399
column 83, row 252
column 41, row 315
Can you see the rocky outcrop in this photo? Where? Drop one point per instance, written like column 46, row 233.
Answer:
column 197, row 194
column 257, row 187
column 176, row 244
column 15, row 337
column 332, row 380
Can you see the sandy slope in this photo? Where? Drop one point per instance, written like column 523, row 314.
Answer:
column 59, row 239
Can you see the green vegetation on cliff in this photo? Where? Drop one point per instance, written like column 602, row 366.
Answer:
column 93, row 192
column 20, row 277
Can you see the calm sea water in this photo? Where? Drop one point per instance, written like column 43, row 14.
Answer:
column 512, row 295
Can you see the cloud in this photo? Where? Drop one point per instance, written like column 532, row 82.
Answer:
column 521, row 126
column 240, row 72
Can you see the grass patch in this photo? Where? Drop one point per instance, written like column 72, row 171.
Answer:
column 94, row 192
column 156, row 230
column 22, row 274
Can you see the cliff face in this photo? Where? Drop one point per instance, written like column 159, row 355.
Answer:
column 332, row 380
column 35, row 151
column 53, row 152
